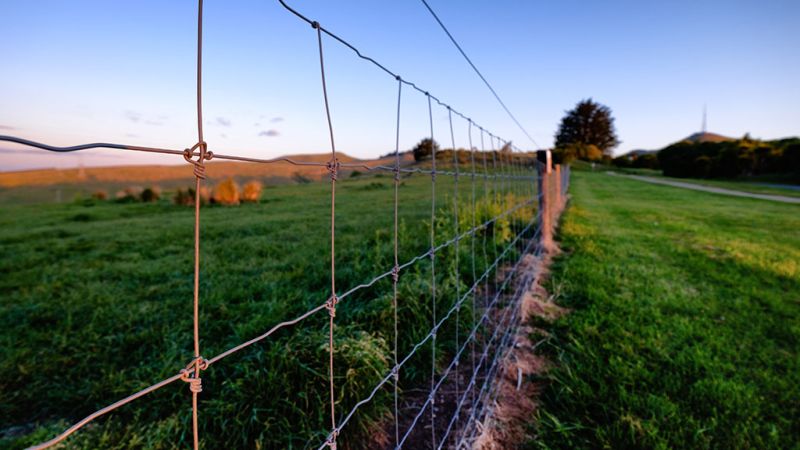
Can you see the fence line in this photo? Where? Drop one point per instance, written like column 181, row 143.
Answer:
column 514, row 175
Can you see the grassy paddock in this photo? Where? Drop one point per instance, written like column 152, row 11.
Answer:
column 96, row 303
column 685, row 322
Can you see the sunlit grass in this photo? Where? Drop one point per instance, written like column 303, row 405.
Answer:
column 685, row 322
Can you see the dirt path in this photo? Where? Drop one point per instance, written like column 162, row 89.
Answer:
column 716, row 190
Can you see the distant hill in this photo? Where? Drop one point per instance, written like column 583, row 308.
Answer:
column 706, row 137
column 633, row 154
column 216, row 170
column 695, row 138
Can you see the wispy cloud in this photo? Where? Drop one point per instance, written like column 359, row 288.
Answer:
column 276, row 119
column 7, row 127
column 223, row 121
column 269, row 133
column 137, row 117
column 133, row 116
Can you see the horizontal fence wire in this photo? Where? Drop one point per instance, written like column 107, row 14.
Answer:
column 506, row 168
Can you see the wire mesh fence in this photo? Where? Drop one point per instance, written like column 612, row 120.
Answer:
column 479, row 242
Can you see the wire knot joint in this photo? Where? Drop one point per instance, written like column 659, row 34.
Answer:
column 199, row 165
column 395, row 273
column 333, row 168
column 191, row 374
column 331, row 441
column 330, row 305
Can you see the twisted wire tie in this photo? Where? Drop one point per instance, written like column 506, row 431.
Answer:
column 330, row 305
column 188, row 374
column 331, row 441
column 395, row 373
column 199, row 166
column 333, row 168
column 396, row 171
column 395, row 273
column 433, row 175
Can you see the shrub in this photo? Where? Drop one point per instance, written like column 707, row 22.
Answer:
column 151, row 194
column 252, row 192
column 186, row 196
column 226, row 193
column 129, row 194
column 182, row 197
column 424, row 149
column 100, row 195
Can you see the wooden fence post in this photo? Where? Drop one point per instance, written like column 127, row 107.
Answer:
column 557, row 200
column 543, row 171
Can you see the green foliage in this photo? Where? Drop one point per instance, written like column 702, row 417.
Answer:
column 683, row 330
column 588, row 125
column 731, row 159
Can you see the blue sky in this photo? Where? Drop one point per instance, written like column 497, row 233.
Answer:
column 81, row 71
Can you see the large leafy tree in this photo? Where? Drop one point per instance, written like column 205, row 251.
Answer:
column 588, row 125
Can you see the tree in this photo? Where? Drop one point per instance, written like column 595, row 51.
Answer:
column 424, row 149
column 588, row 125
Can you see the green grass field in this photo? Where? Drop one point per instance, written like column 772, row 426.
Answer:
column 96, row 303
column 745, row 186
column 684, row 327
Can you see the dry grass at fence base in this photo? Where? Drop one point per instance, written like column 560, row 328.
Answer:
column 509, row 418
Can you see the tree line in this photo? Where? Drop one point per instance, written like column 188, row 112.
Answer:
column 731, row 159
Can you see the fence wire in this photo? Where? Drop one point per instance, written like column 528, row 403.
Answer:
column 516, row 172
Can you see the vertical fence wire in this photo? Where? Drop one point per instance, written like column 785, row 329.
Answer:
column 433, row 275
column 456, row 247
column 333, row 168
column 396, row 268
column 196, row 386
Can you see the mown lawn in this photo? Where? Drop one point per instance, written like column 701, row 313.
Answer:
column 96, row 303
column 684, row 330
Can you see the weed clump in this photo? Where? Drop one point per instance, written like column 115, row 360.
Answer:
column 226, row 193
column 151, row 194
column 185, row 197
column 251, row 193
column 129, row 195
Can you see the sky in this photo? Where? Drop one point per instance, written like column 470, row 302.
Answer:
column 124, row 72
